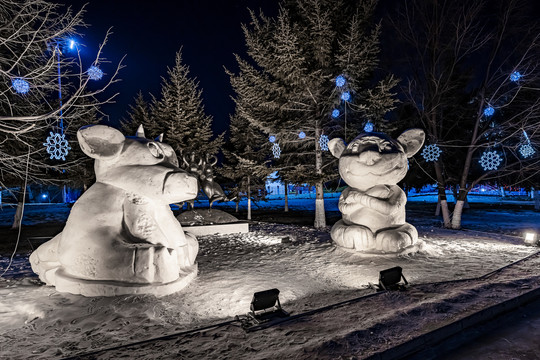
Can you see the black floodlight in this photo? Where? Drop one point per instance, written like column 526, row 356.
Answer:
column 390, row 279
column 265, row 306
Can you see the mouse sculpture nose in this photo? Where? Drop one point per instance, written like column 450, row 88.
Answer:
column 369, row 157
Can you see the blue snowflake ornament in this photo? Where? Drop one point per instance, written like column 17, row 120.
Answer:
column 323, row 142
column 276, row 150
column 20, row 86
column 302, row 135
column 340, row 81
column 369, row 127
column 489, row 111
column 346, row 96
column 431, row 152
column 526, row 150
column 490, row 160
column 95, row 73
column 57, row 146
column 335, row 113
column 272, row 138
column 515, row 76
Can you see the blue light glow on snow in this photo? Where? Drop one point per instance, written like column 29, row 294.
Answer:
column 346, row 96
column 489, row 111
column 335, row 113
column 340, row 81
column 20, row 86
column 95, row 73
column 515, row 76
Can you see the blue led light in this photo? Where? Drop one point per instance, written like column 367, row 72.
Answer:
column 489, row 111
column 346, row 96
column 368, row 127
column 515, row 76
column 272, row 138
column 95, row 73
column 20, row 86
column 71, row 44
column 302, row 135
column 44, row 196
column 340, row 81
column 335, row 113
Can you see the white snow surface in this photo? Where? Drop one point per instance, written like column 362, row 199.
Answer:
column 38, row 322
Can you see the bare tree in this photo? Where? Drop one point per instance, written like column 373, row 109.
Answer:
column 472, row 76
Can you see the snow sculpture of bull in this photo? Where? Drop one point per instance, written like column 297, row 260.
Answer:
column 373, row 206
column 121, row 236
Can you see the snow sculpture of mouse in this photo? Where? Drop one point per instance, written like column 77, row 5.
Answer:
column 121, row 236
column 373, row 206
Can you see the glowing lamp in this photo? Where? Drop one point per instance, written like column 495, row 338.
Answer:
column 95, row 73
column 335, row 113
column 302, row 135
column 44, row 196
column 530, row 238
column 340, row 81
column 20, row 86
column 71, row 44
column 515, row 76
column 346, row 96
column 489, row 111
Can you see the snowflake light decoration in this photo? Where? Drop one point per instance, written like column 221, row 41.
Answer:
column 272, row 138
column 335, row 113
column 302, row 135
column 57, row 146
column 20, row 86
column 431, row 152
column 526, row 150
column 489, row 111
column 323, row 142
column 369, row 127
column 515, row 76
column 95, row 73
column 346, row 96
column 490, row 160
column 276, row 151
column 340, row 81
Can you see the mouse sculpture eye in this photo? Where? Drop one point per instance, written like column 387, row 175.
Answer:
column 155, row 150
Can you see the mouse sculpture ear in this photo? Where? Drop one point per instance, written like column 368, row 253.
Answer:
column 336, row 147
column 412, row 140
column 100, row 141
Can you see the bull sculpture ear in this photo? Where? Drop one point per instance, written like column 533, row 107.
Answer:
column 140, row 132
column 412, row 140
column 159, row 138
column 336, row 147
column 100, row 141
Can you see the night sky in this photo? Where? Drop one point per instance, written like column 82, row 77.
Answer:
column 149, row 33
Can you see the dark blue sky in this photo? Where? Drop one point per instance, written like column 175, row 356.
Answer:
column 149, row 33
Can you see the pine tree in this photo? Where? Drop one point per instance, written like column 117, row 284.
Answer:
column 138, row 114
column 291, row 92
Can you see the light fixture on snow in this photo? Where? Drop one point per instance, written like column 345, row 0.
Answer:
column 431, row 152
column 340, row 81
column 265, row 308
column 20, row 86
column 490, row 160
column 530, row 238
column 323, row 142
column 390, row 279
column 489, row 111
column 335, row 113
column 302, row 135
column 95, row 73
column 515, row 76
column 346, row 96
column 276, row 151
column 369, row 127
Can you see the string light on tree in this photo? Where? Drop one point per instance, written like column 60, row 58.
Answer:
column 490, row 160
column 272, row 138
column 515, row 76
column 302, row 135
column 369, row 127
column 340, row 81
column 323, row 142
column 335, row 113
column 57, row 146
column 20, row 86
column 276, row 151
column 346, row 96
column 431, row 152
column 95, row 73
column 489, row 111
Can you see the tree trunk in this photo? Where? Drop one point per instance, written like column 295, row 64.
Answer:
column 537, row 201
column 249, row 198
column 442, row 196
column 286, row 197
column 320, row 215
column 17, row 219
column 458, row 209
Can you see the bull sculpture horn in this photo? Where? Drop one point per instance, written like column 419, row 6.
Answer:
column 159, row 138
column 140, row 132
column 213, row 161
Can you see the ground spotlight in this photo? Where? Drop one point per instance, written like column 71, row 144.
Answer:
column 390, row 279
column 265, row 308
column 531, row 238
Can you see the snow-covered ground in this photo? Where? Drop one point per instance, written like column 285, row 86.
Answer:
column 38, row 322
